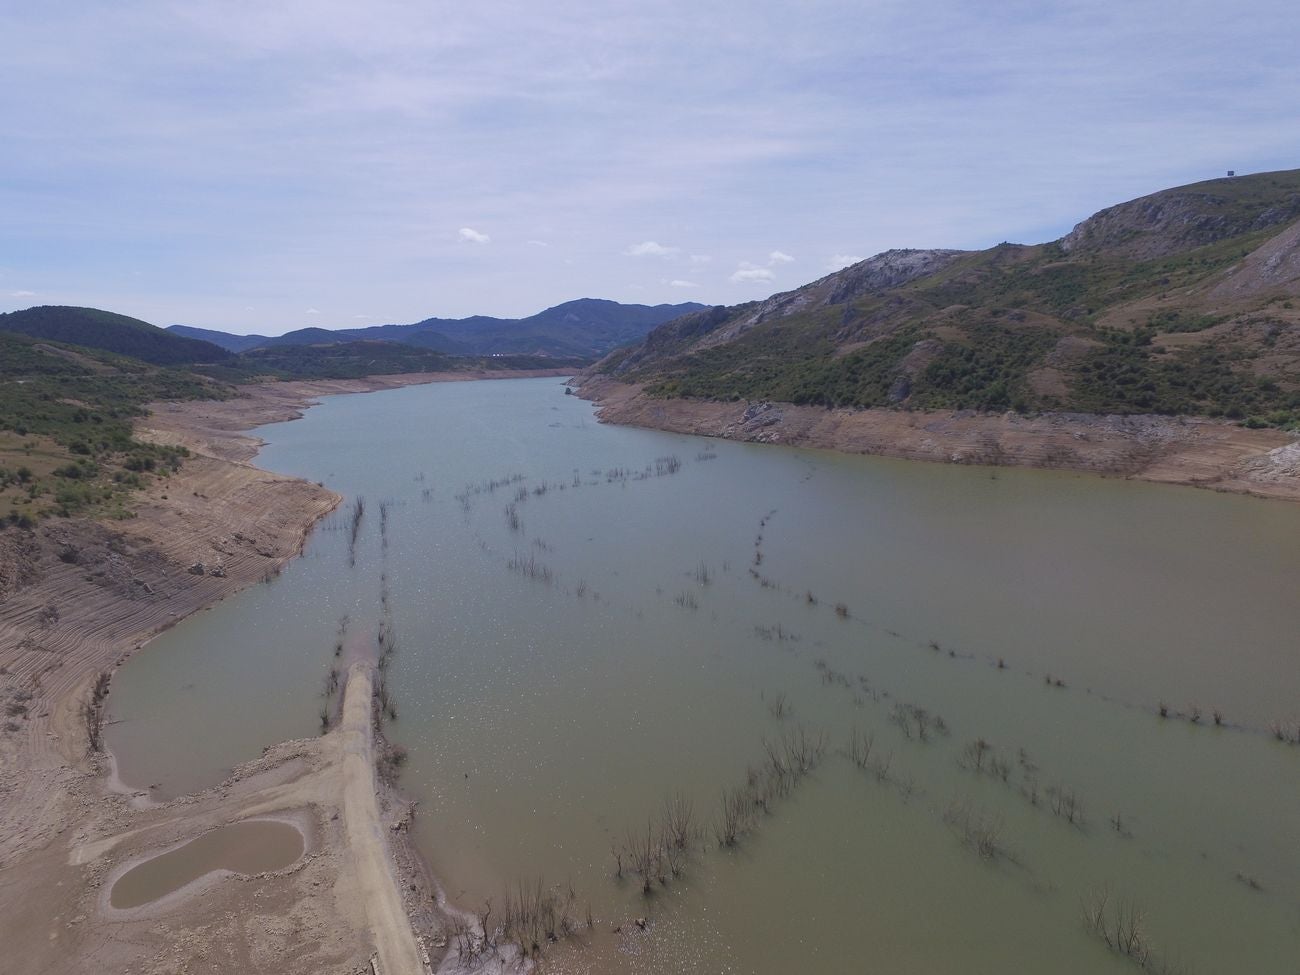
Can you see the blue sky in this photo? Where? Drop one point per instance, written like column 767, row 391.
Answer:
column 256, row 166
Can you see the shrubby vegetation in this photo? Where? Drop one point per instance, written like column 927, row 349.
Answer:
column 66, row 443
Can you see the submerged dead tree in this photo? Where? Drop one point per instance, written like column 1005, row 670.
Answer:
column 358, row 513
column 534, row 915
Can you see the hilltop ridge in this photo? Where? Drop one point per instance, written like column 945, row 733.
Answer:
column 1182, row 302
column 111, row 332
column 584, row 327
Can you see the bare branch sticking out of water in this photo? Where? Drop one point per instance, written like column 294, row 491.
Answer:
column 533, row 916
column 1120, row 924
column 976, row 828
column 1065, row 802
column 659, row 852
column 916, row 722
column 975, row 755
column 665, row 466
column 530, row 567
column 778, row 705
column 735, row 816
column 880, row 768
column 788, row 760
column 358, row 513
column 679, row 821
column 859, row 748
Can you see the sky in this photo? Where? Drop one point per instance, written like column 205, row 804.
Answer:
column 259, row 167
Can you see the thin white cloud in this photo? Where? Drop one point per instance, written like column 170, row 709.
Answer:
column 680, row 134
column 473, row 236
column 651, row 248
column 22, row 294
column 312, row 311
column 679, row 283
column 538, row 243
column 838, row 262
column 747, row 273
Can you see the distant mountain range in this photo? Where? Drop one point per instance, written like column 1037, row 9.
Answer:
column 74, row 379
column 585, row 328
column 1186, row 301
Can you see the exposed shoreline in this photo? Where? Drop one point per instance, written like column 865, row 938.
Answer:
column 1196, row 452
column 85, row 596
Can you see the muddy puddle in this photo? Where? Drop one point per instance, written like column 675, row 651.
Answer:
column 249, row 847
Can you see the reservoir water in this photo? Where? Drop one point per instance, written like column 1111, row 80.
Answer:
column 593, row 621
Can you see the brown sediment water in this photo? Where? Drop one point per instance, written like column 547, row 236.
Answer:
column 250, row 847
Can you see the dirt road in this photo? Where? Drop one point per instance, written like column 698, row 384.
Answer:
column 367, row 842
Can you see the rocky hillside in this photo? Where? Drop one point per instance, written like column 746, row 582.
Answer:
column 1183, row 302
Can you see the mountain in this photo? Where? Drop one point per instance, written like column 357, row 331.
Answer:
column 352, row 360
column 227, row 341
column 95, row 329
column 1186, row 301
column 587, row 327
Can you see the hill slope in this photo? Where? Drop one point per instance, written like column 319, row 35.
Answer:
column 1183, row 302
column 96, row 329
column 66, row 415
column 225, row 340
column 587, row 327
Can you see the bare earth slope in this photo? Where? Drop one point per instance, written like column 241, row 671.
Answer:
column 1198, row 452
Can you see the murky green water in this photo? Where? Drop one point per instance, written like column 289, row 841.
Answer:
column 662, row 608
